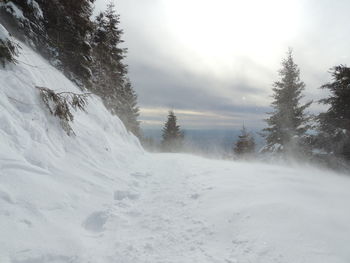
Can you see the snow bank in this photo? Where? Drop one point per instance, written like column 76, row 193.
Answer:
column 50, row 182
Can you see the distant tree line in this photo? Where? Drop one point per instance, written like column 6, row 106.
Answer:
column 88, row 51
column 292, row 132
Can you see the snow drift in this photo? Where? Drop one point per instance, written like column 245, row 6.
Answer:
column 45, row 172
column 98, row 197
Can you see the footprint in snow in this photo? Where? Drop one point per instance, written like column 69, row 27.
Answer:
column 6, row 196
column 26, row 222
column 46, row 258
column 120, row 195
column 140, row 175
column 95, row 222
column 195, row 196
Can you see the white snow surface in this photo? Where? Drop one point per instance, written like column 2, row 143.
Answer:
column 98, row 197
column 4, row 34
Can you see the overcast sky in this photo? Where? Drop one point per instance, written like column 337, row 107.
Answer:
column 213, row 61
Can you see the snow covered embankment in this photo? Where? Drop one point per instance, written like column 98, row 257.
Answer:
column 50, row 183
column 99, row 198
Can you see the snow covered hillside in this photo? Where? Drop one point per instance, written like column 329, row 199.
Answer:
column 98, row 197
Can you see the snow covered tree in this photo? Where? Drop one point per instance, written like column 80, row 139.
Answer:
column 58, row 29
column 172, row 135
column 334, row 124
column 110, row 72
column 88, row 52
column 245, row 145
column 108, row 68
column 288, row 123
column 68, row 26
column 127, row 110
column 25, row 21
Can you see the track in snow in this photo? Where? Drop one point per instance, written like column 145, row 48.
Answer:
column 175, row 210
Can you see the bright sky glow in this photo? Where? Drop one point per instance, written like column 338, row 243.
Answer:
column 219, row 30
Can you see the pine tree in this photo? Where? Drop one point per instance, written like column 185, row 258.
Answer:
column 288, row 123
column 88, row 52
column 172, row 135
column 108, row 68
column 68, row 26
column 110, row 72
column 245, row 145
column 26, row 22
column 334, row 124
column 58, row 29
column 128, row 111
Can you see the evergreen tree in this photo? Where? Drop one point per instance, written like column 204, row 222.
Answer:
column 68, row 26
column 128, row 111
column 334, row 124
column 108, row 68
column 58, row 29
column 172, row 135
column 288, row 123
column 110, row 72
column 88, row 52
column 28, row 27
column 245, row 145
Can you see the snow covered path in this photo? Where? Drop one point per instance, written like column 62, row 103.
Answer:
column 181, row 208
column 171, row 208
column 154, row 219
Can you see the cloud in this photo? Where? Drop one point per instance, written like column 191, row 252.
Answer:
column 191, row 93
column 227, row 85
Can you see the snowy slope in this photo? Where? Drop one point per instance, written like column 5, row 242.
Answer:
column 98, row 197
column 50, row 182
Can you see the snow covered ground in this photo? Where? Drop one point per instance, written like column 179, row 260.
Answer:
column 98, row 197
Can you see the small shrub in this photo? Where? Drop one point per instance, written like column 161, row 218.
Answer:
column 60, row 104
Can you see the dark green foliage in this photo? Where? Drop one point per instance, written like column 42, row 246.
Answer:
column 30, row 27
column 108, row 69
column 68, row 25
column 59, row 104
column 334, row 124
column 172, row 135
column 288, row 123
column 245, row 145
column 110, row 80
column 59, row 29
